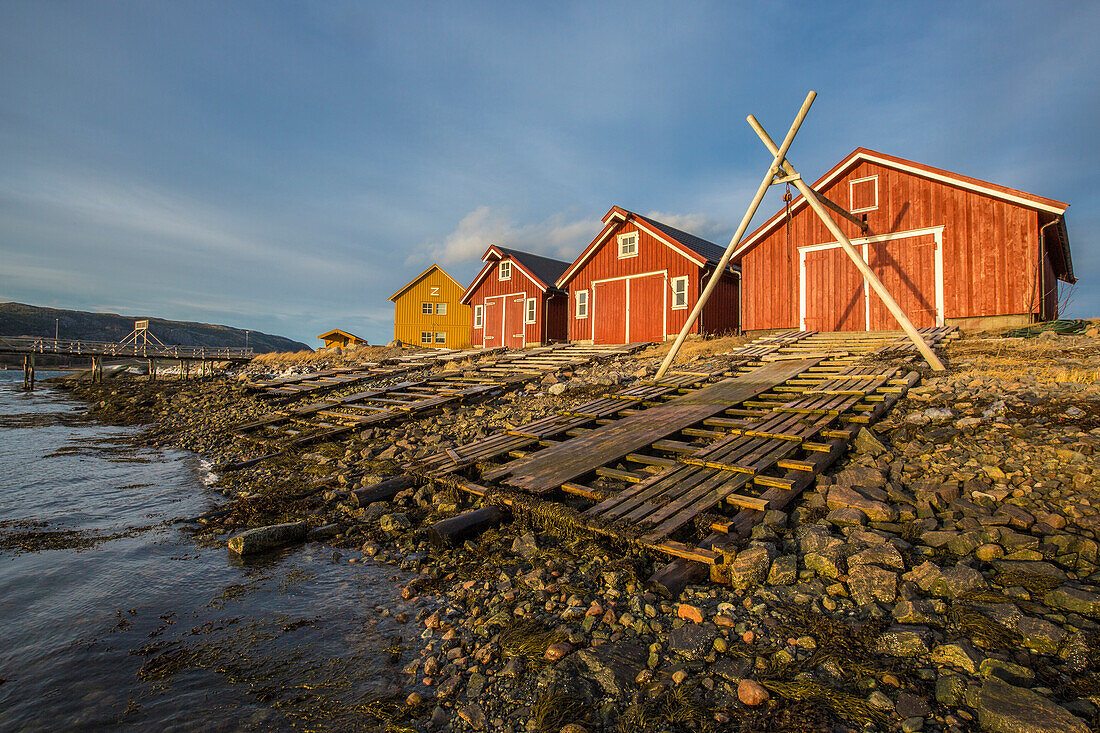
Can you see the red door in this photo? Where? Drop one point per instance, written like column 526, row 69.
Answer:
column 514, row 316
column 833, row 297
column 493, row 326
column 647, row 308
column 907, row 267
column 609, row 312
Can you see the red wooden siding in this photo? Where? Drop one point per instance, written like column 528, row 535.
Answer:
column 648, row 308
column 990, row 256
column 907, row 268
column 721, row 311
column 505, row 302
column 834, row 292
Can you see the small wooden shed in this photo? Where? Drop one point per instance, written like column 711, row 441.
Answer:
column 428, row 311
column 515, row 301
column 639, row 279
column 951, row 250
column 343, row 339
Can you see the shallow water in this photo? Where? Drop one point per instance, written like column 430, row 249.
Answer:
column 133, row 625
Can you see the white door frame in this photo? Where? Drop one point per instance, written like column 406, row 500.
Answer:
column 503, row 317
column 628, row 278
column 862, row 243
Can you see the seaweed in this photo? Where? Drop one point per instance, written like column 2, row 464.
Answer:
column 557, row 707
column 679, row 708
column 1033, row 582
column 528, row 639
column 982, row 630
column 840, row 703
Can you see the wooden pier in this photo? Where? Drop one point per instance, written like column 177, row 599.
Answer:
column 661, row 465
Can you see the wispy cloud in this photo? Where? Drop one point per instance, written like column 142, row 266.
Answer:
column 557, row 236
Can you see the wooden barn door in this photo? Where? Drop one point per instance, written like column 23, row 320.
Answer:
column 647, row 308
column 514, row 321
column 493, row 325
column 609, row 312
column 907, row 267
column 832, row 292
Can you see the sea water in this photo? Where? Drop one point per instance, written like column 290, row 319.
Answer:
column 111, row 616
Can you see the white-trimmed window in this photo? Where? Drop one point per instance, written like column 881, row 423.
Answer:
column 440, row 337
column 582, row 304
column 505, row 271
column 532, row 310
column 679, row 293
column 628, row 245
column 425, row 337
column 425, row 309
column 863, row 194
column 441, row 309
column 479, row 315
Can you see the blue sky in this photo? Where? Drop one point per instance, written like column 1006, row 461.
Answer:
column 285, row 166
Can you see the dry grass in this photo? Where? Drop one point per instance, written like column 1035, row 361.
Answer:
column 696, row 348
column 1062, row 359
column 310, row 358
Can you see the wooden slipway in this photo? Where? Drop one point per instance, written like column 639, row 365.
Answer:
column 549, row 469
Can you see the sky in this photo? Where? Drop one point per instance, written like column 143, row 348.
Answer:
column 286, row 166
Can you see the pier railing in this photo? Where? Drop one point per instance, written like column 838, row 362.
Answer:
column 65, row 347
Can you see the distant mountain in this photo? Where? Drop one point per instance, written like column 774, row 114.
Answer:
column 18, row 319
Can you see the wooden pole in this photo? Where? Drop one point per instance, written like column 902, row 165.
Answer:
column 457, row 528
column 712, row 283
column 152, row 370
column 868, row 274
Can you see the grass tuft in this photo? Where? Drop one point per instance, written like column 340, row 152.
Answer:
column 528, row 639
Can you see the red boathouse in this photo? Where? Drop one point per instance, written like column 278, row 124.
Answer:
column 515, row 301
column 639, row 279
column 950, row 249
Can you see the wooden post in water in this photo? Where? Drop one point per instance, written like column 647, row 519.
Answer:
column 183, row 368
column 152, row 370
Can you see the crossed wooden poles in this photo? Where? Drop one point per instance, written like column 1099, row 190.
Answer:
column 781, row 171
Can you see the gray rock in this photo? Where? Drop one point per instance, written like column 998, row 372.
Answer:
column 909, row 705
column 263, row 539
column 866, row 441
column 394, row 522
column 883, row 554
column 869, row 583
column 958, row 655
column 473, row 715
column 1041, row 635
column 950, row 689
column 750, row 567
column 525, row 545
column 1013, row 674
column 614, row 666
column 692, row 641
column 784, row 570
column 1003, row 708
column 903, row 641
column 954, row 582
column 1074, row 600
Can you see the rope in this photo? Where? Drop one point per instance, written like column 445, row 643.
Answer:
column 1060, row 327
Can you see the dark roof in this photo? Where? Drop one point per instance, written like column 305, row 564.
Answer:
column 709, row 251
column 544, row 268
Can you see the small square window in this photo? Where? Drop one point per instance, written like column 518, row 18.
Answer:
column 441, row 309
column 440, row 337
column 505, row 270
column 425, row 337
column 425, row 309
column 582, row 304
column 479, row 315
column 863, row 194
column 628, row 245
column 679, row 293
column 532, row 310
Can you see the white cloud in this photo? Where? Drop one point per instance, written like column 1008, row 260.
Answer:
column 557, row 236
column 700, row 225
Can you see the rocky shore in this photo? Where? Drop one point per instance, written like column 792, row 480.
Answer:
column 944, row 576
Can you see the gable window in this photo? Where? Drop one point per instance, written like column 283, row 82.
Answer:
column 479, row 314
column 863, row 194
column 505, row 271
column 679, row 293
column 425, row 337
column 441, row 309
column 425, row 309
column 582, row 304
column 441, row 337
column 532, row 306
column 628, row 245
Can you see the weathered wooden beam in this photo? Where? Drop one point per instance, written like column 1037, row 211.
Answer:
column 381, row 491
column 457, row 528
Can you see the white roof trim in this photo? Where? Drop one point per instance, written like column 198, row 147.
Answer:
column 642, row 224
column 921, row 172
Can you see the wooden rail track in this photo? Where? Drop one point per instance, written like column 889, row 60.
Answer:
column 660, row 461
column 316, row 383
column 328, row 419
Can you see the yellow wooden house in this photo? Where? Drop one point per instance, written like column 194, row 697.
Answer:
column 429, row 312
column 343, row 339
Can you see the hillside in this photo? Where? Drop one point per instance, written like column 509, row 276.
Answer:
column 18, row 319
